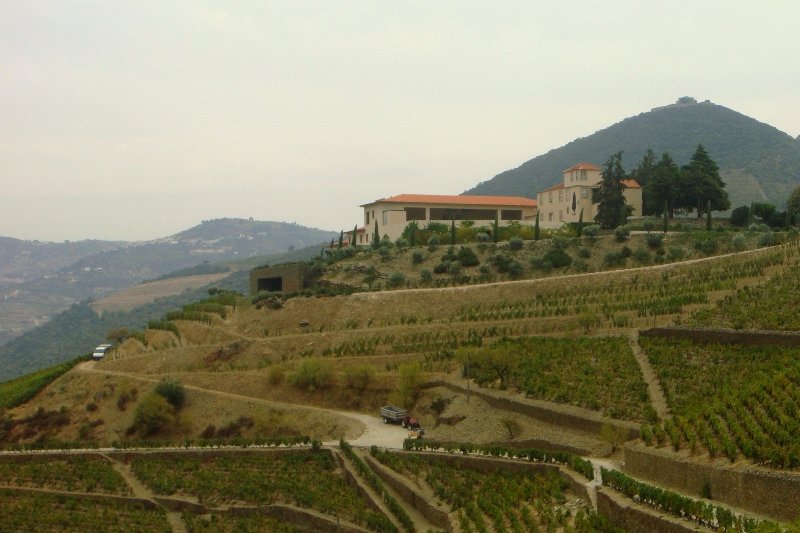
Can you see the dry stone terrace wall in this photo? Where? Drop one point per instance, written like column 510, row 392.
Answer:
column 726, row 336
column 637, row 518
column 556, row 414
column 771, row 493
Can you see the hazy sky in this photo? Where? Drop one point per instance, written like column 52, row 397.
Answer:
column 137, row 119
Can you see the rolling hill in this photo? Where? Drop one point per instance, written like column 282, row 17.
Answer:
column 757, row 161
column 38, row 280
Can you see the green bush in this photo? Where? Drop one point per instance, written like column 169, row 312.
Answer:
column 152, row 414
column 591, row 232
column 654, row 240
column 621, row 233
column 515, row 243
column 425, row 275
column 396, row 279
column 172, row 391
column 738, row 242
column 767, row 239
column 642, row 255
column 558, row 258
column 676, row 253
column 312, row 374
column 467, row 257
column 417, row 257
column 584, row 253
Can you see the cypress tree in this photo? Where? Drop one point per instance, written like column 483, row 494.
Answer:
column 496, row 229
column 341, row 238
column 452, row 231
column 355, row 231
column 376, row 237
column 708, row 215
column 580, row 222
column 412, row 237
column 666, row 216
column 536, row 232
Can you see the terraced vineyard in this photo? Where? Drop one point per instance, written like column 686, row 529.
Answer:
column 228, row 523
column 501, row 500
column 304, row 478
column 770, row 306
column 76, row 473
column 37, row 511
column 598, row 373
column 732, row 400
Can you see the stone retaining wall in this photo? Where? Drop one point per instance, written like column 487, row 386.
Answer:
column 771, row 493
column 556, row 414
column 638, row 518
column 433, row 513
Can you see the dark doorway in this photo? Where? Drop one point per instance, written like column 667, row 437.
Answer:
column 270, row 284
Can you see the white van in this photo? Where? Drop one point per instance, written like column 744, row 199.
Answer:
column 100, row 351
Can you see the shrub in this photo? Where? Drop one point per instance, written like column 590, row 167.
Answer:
column 584, row 252
column 483, row 238
column 648, row 225
column 172, row 391
column 275, row 374
column 641, row 254
column 454, row 269
column 515, row 243
column 591, row 232
column 613, row 259
column 515, row 269
column 707, row 246
column 559, row 243
column 625, row 252
column 621, row 233
column 558, row 258
column 425, row 275
column 740, row 216
column 433, row 243
column 441, row 268
column 312, row 374
column 396, row 279
column 417, row 257
column 767, row 239
column 580, row 265
column 654, row 240
column 738, row 242
column 358, row 377
column 676, row 253
column 467, row 257
column 152, row 414
column 401, row 243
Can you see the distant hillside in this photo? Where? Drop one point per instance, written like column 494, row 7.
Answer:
column 757, row 161
column 42, row 279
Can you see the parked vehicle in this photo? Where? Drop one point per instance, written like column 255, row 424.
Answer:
column 416, row 433
column 100, row 351
column 398, row 415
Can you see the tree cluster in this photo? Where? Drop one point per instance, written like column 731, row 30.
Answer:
column 694, row 187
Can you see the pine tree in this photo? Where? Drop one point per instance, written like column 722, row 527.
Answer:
column 611, row 202
column 536, row 232
column 701, row 185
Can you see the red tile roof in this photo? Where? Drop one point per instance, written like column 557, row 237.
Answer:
column 583, row 166
column 511, row 201
column 631, row 184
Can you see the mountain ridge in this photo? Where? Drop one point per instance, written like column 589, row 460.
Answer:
column 757, row 161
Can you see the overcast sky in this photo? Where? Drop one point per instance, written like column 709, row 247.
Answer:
column 137, row 119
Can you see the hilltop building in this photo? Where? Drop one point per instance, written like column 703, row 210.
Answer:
column 393, row 214
column 562, row 203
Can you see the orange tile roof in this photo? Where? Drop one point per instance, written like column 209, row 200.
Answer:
column 631, row 184
column 583, row 166
column 515, row 201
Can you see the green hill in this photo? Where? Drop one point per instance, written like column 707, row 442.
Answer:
column 757, row 161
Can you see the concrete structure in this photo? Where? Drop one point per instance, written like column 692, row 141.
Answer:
column 562, row 203
column 284, row 278
column 393, row 214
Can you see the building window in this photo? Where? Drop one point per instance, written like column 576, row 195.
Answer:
column 415, row 213
column 447, row 213
column 560, row 196
column 583, row 175
column 511, row 214
column 550, row 217
column 584, row 193
column 561, row 216
column 550, row 197
column 367, row 218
